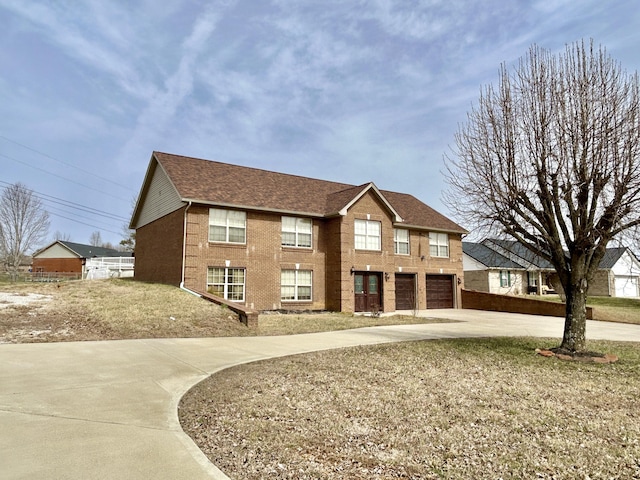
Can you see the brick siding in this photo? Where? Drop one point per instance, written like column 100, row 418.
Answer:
column 159, row 250
column 67, row 265
column 330, row 258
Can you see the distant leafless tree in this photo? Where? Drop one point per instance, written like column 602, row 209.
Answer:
column 60, row 236
column 551, row 157
column 95, row 239
column 24, row 224
column 128, row 242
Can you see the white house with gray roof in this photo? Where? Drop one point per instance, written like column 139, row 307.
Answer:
column 507, row 267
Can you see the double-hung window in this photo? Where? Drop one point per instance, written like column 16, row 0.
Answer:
column 367, row 235
column 227, row 226
column 505, row 278
column 226, row 282
column 401, row 241
column 438, row 244
column 296, row 232
column 295, row 285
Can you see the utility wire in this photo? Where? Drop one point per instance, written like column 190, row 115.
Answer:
column 64, row 163
column 87, row 224
column 61, row 177
column 77, row 206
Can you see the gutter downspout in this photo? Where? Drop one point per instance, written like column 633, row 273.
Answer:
column 184, row 251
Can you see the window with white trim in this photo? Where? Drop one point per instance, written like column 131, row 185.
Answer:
column 296, row 232
column 367, row 235
column 295, row 285
column 226, row 282
column 228, row 226
column 401, row 241
column 438, row 244
column 505, row 278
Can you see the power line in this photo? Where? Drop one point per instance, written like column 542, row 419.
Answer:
column 53, row 209
column 64, row 163
column 87, row 224
column 68, row 203
column 65, row 203
column 61, row 177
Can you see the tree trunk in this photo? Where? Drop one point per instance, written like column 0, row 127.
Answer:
column 575, row 323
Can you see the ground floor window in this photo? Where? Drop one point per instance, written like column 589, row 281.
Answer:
column 227, row 283
column 505, row 278
column 295, row 285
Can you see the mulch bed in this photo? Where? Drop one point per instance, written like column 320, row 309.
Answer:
column 588, row 357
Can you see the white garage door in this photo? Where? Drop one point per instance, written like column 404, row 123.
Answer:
column 626, row 286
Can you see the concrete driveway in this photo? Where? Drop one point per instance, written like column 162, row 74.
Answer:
column 97, row 410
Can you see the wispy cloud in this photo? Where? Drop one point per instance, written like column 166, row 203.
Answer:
column 348, row 90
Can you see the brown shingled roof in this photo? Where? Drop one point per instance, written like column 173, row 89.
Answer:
column 219, row 183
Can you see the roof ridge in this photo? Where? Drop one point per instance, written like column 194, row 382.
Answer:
column 257, row 169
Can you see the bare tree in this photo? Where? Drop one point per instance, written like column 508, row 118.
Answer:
column 95, row 239
column 60, row 236
column 24, row 224
column 128, row 242
column 551, row 158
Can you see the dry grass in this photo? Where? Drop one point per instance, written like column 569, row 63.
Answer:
column 610, row 309
column 292, row 324
column 453, row 409
column 111, row 309
column 118, row 309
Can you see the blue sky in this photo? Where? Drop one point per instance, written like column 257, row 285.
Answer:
column 349, row 91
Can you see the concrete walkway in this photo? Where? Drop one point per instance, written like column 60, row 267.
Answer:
column 97, row 410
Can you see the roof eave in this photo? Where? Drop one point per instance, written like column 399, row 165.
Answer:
column 430, row 229
column 253, row 208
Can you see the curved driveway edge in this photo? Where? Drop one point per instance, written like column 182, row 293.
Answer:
column 96, row 410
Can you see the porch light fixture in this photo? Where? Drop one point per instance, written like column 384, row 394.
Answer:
column 386, row 276
column 353, row 270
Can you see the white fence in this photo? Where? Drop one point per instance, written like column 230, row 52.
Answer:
column 108, row 267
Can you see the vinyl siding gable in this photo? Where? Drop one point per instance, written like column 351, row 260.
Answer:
column 160, row 199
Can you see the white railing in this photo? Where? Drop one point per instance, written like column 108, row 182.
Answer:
column 108, row 267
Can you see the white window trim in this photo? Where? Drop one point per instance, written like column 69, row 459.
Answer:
column 296, row 285
column 227, row 226
column 508, row 282
column 297, row 232
column 440, row 241
column 226, row 285
column 367, row 236
column 397, row 243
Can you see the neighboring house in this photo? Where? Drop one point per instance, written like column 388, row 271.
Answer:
column 618, row 275
column 540, row 274
column 492, row 264
column 486, row 270
column 64, row 257
column 271, row 241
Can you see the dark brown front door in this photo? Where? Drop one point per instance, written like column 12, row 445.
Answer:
column 405, row 291
column 439, row 291
column 367, row 292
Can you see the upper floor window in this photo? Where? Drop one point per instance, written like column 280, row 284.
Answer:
column 438, row 244
column 296, row 232
column 367, row 235
column 401, row 241
column 228, row 226
column 295, row 285
column 227, row 283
